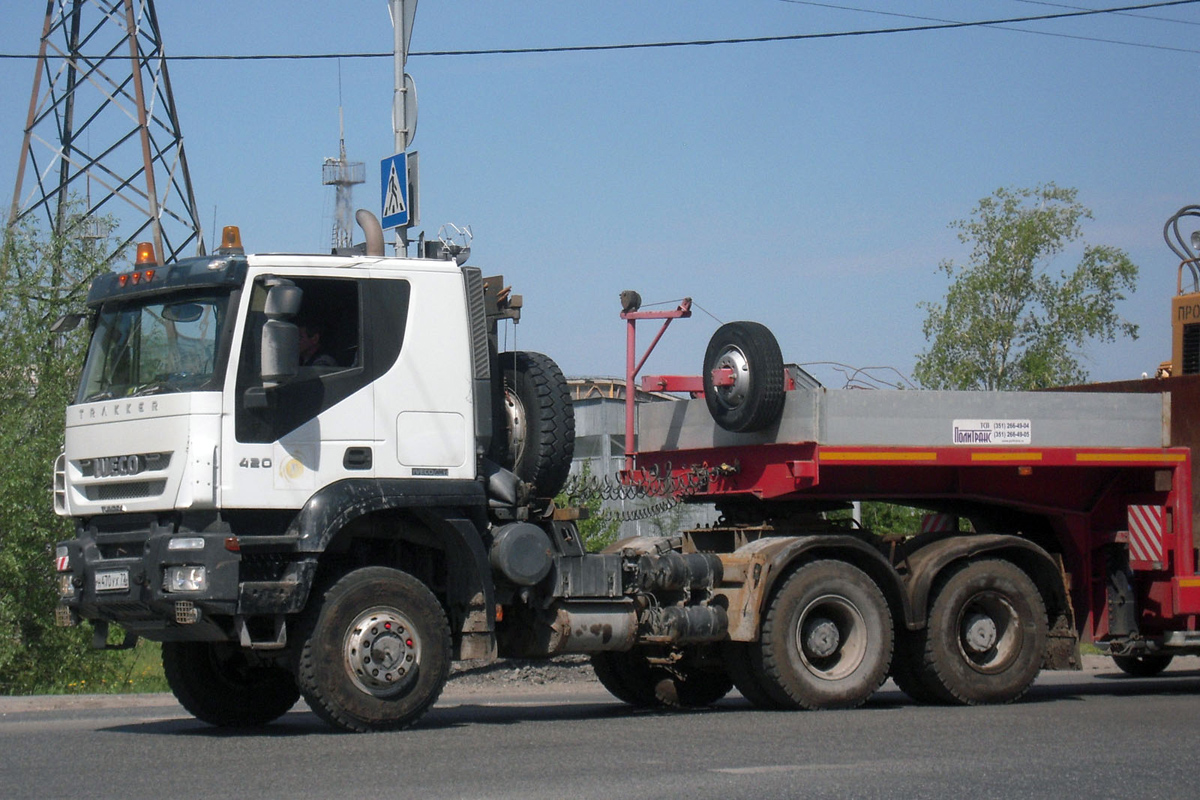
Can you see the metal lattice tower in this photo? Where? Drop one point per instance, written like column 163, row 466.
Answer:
column 343, row 174
column 102, row 117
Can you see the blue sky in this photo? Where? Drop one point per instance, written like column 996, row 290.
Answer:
column 807, row 185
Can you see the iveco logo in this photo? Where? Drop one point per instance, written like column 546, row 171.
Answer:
column 119, row 465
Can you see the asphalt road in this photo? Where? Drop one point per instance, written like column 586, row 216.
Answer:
column 1086, row 735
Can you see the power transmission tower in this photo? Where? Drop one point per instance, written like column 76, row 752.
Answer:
column 102, row 116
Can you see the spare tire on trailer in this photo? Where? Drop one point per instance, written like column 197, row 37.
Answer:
column 755, row 398
column 539, row 435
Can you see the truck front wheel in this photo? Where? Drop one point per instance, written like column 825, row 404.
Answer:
column 376, row 651
column 826, row 641
column 222, row 684
column 986, row 635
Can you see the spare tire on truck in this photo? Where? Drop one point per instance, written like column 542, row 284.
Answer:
column 538, row 440
column 755, row 398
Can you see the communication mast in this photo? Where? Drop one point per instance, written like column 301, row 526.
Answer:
column 102, row 115
column 344, row 175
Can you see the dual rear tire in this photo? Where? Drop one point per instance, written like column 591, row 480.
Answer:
column 826, row 641
column 984, row 640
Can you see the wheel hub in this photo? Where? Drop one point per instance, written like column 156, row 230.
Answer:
column 516, row 424
column 821, row 638
column 734, row 395
column 979, row 634
column 831, row 637
column 382, row 651
column 989, row 633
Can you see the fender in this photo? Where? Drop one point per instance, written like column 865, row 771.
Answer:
column 455, row 510
column 765, row 561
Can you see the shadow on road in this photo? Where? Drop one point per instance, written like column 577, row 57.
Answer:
column 523, row 709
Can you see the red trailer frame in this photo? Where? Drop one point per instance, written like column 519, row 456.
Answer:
column 1080, row 503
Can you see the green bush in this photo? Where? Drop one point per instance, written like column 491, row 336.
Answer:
column 41, row 278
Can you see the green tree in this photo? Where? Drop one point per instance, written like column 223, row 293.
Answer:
column 599, row 526
column 1007, row 323
column 41, row 277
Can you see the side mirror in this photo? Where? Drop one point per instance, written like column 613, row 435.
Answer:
column 280, row 353
column 283, row 300
column 66, row 323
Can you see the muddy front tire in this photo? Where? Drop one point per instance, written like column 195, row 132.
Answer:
column 376, row 651
column 826, row 641
column 222, row 684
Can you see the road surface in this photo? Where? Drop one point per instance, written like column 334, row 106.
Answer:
column 1084, row 735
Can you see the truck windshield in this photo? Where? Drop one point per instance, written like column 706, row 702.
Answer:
column 154, row 346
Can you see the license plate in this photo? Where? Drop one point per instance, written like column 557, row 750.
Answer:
column 114, row 580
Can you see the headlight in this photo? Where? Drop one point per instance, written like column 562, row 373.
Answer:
column 184, row 579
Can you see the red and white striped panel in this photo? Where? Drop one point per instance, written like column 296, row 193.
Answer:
column 939, row 523
column 1146, row 527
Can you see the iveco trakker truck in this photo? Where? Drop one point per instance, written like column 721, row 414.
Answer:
column 316, row 475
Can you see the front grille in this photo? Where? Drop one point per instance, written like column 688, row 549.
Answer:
column 109, row 551
column 1191, row 349
column 128, row 465
column 134, row 490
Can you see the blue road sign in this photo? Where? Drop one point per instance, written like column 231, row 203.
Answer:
column 394, row 190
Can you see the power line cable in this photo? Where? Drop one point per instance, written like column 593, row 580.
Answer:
column 938, row 26
column 1121, row 14
column 1002, row 27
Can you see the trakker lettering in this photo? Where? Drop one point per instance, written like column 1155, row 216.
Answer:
column 124, row 409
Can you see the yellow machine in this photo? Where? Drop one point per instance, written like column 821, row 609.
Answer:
column 1185, row 306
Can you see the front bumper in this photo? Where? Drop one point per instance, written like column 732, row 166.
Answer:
column 119, row 577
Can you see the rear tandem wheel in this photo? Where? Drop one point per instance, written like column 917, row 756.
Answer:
column 826, row 640
column 986, row 635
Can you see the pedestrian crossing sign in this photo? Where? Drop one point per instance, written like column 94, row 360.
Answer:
column 394, row 190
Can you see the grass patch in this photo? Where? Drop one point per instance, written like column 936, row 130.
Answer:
column 135, row 671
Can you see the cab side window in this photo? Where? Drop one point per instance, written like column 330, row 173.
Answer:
column 330, row 322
